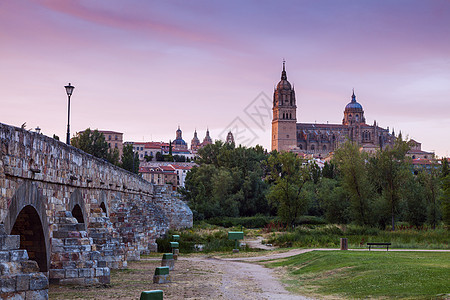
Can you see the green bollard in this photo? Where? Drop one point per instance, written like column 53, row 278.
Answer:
column 152, row 295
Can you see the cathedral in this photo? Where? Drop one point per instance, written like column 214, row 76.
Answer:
column 321, row 139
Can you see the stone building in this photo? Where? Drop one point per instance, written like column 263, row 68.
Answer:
column 114, row 140
column 149, row 149
column 321, row 139
column 160, row 175
column 179, row 143
column 195, row 143
column 207, row 140
column 230, row 138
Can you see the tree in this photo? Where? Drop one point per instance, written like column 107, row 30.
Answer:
column 415, row 206
column 227, row 182
column 445, row 200
column 351, row 164
column 430, row 182
column 329, row 170
column 113, row 156
column 288, row 176
column 92, row 142
column 389, row 171
column 159, row 156
column 130, row 159
column 334, row 201
column 444, row 169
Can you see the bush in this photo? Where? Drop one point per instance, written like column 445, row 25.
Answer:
column 258, row 221
column 312, row 220
column 217, row 240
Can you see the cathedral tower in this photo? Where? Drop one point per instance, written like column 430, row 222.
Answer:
column 284, row 121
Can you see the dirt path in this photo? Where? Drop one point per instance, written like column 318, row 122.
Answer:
column 244, row 280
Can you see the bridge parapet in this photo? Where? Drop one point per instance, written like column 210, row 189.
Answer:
column 40, row 176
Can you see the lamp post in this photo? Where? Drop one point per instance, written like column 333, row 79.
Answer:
column 69, row 90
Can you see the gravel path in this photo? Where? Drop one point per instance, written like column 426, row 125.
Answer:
column 244, row 280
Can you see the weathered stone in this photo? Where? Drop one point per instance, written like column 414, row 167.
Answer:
column 29, row 266
column 18, row 255
column 57, row 273
column 9, row 242
column 23, row 282
column 71, row 273
column 128, row 222
column 161, row 278
column 38, row 281
column 8, row 284
column 37, row 295
column 86, row 272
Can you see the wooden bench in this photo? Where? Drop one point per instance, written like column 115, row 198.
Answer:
column 379, row 244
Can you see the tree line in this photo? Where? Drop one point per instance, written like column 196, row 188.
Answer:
column 354, row 187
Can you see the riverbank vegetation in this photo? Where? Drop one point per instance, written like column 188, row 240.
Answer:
column 380, row 190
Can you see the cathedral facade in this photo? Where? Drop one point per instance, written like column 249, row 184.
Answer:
column 321, row 139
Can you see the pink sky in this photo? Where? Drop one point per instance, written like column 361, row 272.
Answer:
column 145, row 67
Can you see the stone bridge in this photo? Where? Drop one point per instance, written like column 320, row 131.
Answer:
column 77, row 216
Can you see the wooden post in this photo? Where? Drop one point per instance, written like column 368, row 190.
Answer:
column 344, row 244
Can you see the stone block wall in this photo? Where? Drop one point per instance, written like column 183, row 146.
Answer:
column 51, row 178
column 19, row 277
column 178, row 213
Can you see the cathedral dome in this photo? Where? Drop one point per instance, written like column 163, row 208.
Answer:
column 283, row 85
column 179, row 142
column 353, row 105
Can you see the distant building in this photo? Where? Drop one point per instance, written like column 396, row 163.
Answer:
column 181, row 171
column 230, row 138
column 179, row 143
column 113, row 138
column 207, row 140
column 149, row 149
column 319, row 140
column 165, row 172
column 160, row 175
column 195, row 143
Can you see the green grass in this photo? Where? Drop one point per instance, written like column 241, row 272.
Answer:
column 380, row 274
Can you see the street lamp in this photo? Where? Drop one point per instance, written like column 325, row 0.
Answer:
column 69, row 90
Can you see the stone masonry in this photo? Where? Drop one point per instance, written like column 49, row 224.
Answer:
column 19, row 277
column 79, row 216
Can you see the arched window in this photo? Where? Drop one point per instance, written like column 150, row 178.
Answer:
column 312, row 147
column 300, row 146
column 324, row 148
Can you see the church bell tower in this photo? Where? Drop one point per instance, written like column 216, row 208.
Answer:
column 284, row 121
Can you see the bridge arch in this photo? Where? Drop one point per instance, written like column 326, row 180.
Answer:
column 77, row 207
column 104, row 203
column 27, row 217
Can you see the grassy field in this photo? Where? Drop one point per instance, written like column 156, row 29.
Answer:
column 380, row 274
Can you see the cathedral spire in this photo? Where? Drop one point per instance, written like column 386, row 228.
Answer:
column 353, row 96
column 283, row 74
